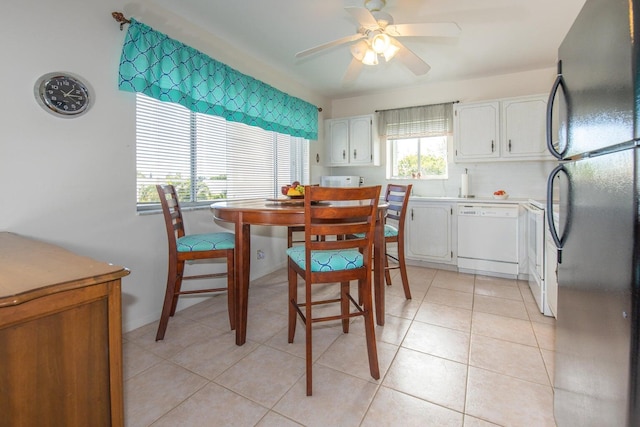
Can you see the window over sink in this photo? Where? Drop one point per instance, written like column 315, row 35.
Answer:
column 419, row 158
column 417, row 141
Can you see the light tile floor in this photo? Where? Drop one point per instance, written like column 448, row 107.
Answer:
column 467, row 350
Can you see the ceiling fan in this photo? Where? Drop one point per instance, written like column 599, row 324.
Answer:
column 377, row 37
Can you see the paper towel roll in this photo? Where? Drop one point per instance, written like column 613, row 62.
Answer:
column 464, row 185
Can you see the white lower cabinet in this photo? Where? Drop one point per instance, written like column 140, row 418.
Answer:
column 429, row 231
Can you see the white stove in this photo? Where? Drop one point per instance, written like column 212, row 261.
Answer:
column 536, row 224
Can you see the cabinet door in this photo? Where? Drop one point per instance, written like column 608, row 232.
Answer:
column 360, row 142
column 429, row 232
column 524, row 128
column 477, row 131
column 338, row 132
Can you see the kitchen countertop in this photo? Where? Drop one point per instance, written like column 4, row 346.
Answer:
column 477, row 199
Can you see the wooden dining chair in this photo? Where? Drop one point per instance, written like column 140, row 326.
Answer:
column 331, row 212
column 397, row 196
column 189, row 247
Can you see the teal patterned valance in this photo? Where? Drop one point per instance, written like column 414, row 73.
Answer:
column 168, row 70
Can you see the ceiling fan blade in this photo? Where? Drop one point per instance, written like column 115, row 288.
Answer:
column 363, row 16
column 338, row 42
column 436, row 29
column 412, row 61
column 353, row 71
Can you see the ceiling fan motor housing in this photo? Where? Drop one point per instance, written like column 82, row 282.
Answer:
column 375, row 5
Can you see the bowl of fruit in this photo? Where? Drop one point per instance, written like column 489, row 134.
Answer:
column 293, row 191
column 500, row 194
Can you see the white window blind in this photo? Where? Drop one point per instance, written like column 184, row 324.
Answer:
column 208, row 158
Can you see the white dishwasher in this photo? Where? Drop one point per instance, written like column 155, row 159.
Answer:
column 488, row 237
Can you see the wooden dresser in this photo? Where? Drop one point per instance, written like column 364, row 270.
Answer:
column 60, row 337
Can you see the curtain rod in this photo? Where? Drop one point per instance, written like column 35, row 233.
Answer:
column 415, row 106
column 119, row 17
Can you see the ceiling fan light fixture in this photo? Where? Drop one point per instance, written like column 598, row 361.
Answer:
column 380, row 42
column 359, row 49
column 370, row 57
column 390, row 52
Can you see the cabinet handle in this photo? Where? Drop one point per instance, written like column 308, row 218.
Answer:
column 411, row 214
column 355, row 153
column 492, row 146
column 509, row 145
column 344, row 154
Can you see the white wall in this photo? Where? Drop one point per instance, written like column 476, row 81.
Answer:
column 519, row 179
column 72, row 181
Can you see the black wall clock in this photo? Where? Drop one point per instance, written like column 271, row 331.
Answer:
column 63, row 94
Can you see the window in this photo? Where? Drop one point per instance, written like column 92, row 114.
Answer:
column 208, row 158
column 417, row 140
column 419, row 158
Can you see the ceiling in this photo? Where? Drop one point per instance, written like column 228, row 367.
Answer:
column 497, row 37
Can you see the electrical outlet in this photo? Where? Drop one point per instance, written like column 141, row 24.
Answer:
column 260, row 254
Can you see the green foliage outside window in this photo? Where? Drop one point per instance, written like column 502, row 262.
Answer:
column 148, row 194
column 429, row 165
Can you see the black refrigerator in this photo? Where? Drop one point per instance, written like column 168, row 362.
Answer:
column 593, row 131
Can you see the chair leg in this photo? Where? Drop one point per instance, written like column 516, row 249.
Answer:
column 403, row 270
column 292, row 277
column 169, row 297
column 231, row 289
column 293, row 301
column 177, row 285
column 308, row 342
column 387, row 273
column 345, row 305
column 370, row 333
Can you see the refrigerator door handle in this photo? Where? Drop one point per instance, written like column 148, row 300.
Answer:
column 559, row 241
column 557, row 84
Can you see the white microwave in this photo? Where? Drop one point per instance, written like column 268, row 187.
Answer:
column 340, row 181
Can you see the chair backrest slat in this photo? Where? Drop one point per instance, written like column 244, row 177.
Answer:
column 398, row 198
column 172, row 213
column 334, row 213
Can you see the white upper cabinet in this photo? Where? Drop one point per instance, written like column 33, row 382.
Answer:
column 504, row 129
column 352, row 141
column 477, row 130
column 524, row 128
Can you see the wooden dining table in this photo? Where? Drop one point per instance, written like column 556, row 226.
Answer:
column 283, row 212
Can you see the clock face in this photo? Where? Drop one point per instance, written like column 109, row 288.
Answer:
column 63, row 94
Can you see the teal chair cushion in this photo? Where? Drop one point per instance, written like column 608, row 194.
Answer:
column 206, row 242
column 334, row 260
column 389, row 231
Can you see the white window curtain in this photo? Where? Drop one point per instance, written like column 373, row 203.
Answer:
column 415, row 122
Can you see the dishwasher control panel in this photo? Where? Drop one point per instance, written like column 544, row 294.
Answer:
column 497, row 210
